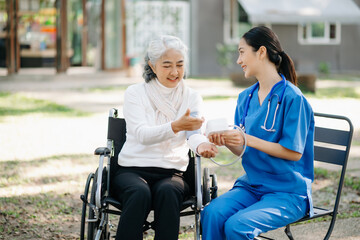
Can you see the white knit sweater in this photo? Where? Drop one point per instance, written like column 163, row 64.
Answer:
column 151, row 145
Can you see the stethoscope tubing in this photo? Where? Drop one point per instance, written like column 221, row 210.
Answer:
column 279, row 100
column 242, row 123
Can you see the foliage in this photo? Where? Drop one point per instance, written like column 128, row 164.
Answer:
column 324, row 68
column 226, row 54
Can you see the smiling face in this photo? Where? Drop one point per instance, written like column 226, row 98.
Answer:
column 248, row 59
column 170, row 68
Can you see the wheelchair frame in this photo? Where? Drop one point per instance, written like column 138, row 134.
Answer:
column 97, row 205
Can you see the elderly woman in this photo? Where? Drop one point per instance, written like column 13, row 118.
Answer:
column 162, row 117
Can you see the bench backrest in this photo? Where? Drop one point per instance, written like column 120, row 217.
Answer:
column 332, row 145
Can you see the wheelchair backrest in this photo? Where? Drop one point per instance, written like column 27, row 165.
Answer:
column 189, row 174
column 116, row 134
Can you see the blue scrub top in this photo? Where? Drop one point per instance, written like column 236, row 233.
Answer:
column 294, row 127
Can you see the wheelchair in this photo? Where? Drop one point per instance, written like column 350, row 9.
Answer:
column 97, row 199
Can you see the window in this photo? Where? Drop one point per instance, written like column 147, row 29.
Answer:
column 145, row 19
column 319, row 33
column 236, row 21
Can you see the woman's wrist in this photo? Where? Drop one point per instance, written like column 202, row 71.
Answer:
column 197, row 150
column 175, row 127
column 249, row 139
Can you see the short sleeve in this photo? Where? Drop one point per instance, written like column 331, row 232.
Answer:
column 239, row 107
column 297, row 121
column 237, row 116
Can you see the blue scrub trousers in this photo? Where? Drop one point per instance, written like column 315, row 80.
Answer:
column 244, row 214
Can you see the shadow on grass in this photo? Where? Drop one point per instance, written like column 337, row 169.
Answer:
column 40, row 199
column 42, row 216
column 13, row 104
column 53, row 169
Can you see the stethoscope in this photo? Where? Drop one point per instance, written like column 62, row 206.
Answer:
column 279, row 99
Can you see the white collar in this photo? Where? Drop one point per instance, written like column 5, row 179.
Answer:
column 165, row 90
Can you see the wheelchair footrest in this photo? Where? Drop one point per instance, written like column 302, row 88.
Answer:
column 112, row 201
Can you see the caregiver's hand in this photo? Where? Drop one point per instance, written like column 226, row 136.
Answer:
column 232, row 138
column 216, row 139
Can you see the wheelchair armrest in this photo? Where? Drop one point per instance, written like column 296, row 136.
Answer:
column 198, row 188
column 102, row 151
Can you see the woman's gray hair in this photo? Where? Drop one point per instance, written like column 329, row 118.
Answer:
column 157, row 48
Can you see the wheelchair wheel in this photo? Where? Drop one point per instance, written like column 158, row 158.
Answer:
column 206, row 187
column 94, row 226
column 84, row 198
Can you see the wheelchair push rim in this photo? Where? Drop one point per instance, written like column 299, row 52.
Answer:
column 84, row 197
column 100, row 218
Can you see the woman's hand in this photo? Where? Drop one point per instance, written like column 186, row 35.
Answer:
column 207, row 150
column 233, row 138
column 216, row 139
column 187, row 123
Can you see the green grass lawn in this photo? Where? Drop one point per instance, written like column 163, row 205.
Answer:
column 15, row 104
column 335, row 92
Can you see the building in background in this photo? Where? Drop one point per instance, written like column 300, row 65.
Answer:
column 318, row 35
column 113, row 34
column 62, row 33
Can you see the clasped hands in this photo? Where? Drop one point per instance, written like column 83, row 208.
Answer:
column 228, row 138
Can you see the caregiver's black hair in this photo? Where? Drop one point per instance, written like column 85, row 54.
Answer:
column 264, row 36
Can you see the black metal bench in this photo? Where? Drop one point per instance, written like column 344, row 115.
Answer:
column 331, row 147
